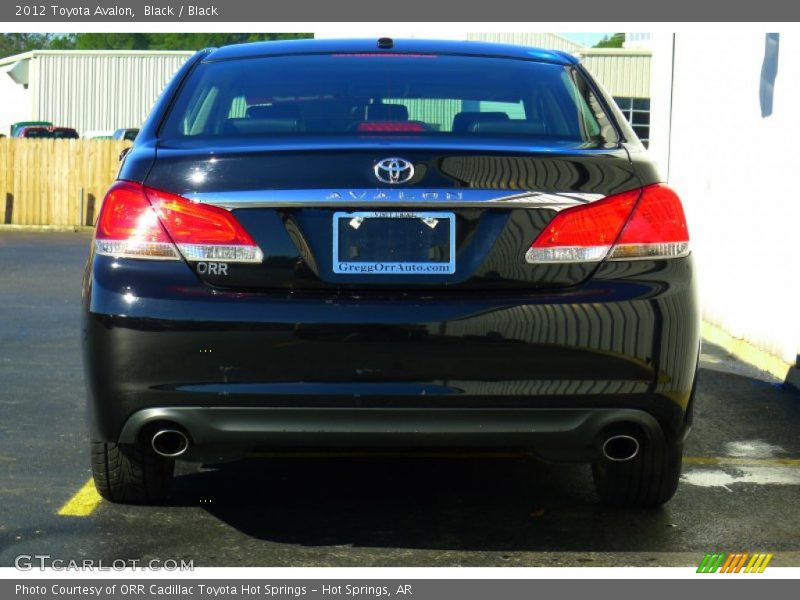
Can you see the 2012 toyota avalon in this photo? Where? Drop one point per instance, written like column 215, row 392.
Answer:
column 378, row 243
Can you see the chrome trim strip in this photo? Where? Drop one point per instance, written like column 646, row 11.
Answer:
column 385, row 197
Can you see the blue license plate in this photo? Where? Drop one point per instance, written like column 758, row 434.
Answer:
column 394, row 243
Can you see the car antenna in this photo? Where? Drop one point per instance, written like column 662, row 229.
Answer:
column 385, row 43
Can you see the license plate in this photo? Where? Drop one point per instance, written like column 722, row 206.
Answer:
column 394, row 243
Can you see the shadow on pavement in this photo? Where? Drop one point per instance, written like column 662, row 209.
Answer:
column 432, row 503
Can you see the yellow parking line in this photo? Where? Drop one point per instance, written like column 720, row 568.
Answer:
column 733, row 460
column 83, row 503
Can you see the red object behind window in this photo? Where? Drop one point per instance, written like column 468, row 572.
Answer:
column 389, row 126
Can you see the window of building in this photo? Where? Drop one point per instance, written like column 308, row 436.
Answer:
column 637, row 111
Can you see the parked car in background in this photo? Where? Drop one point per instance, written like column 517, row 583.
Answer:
column 64, row 133
column 126, row 134
column 328, row 244
column 15, row 127
column 99, row 134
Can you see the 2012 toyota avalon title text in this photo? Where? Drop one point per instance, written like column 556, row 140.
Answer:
column 164, row 11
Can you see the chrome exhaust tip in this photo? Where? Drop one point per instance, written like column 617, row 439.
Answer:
column 620, row 448
column 169, row 443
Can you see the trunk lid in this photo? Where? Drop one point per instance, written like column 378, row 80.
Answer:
column 323, row 216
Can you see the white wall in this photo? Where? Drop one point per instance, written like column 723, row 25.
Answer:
column 661, row 99
column 736, row 172
column 16, row 103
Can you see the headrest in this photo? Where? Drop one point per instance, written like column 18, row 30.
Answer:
column 260, row 126
column 463, row 120
column 273, row 111
column 516, row 126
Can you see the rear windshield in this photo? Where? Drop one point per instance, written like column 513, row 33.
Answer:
column 387, row 95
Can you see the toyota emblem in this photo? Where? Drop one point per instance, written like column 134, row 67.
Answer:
column 394, row 170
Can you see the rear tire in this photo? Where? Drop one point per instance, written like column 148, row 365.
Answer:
column 130, row 473
column 646, row 481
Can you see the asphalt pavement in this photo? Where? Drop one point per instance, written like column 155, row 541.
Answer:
column 740, row 489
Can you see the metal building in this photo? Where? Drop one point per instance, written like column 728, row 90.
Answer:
column 85, row 90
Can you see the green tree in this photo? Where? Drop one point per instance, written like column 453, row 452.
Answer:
column 196, row 41
column 61, row 41
column 614, row 41
column 15, row 43
column 112, row 41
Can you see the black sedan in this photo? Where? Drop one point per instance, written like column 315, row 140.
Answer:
column 364, row 244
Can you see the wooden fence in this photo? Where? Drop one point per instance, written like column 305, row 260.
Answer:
column 55, row 182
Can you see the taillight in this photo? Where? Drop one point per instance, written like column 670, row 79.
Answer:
column 140, row 222
column 128, row 226
column 642, row 223
column 204, row 232
column 657, row 228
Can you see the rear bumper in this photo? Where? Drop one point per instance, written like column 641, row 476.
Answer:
column 264, row 369
column 558, row 435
